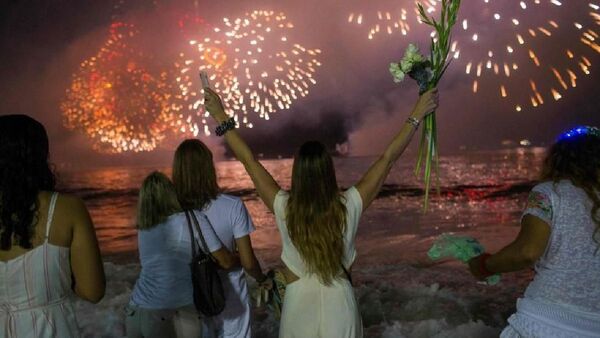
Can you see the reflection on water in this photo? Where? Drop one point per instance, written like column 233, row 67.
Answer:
column 480, row 192
column 400, row 292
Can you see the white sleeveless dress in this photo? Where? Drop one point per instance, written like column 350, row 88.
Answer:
column 35, row 292
column 310, row 308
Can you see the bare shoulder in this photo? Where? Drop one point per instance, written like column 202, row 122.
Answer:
column 72, row 209
column 71, row 202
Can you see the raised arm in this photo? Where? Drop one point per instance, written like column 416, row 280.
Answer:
column 370, row 184
column 263, row 181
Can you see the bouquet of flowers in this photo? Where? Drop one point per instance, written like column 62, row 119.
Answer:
column 428, row 72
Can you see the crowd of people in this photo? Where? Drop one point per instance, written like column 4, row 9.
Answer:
column 49, row 250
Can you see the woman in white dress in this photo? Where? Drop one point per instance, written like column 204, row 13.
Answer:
column 560, row 237
column 48, row 246
column 317, row 223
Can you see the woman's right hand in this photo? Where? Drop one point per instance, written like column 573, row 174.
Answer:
column 427, row 104
column 214, row 105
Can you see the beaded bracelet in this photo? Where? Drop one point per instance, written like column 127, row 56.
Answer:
column 413, row 122
column 225, row 126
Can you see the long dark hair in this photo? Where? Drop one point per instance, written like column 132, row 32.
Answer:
column 24, row 172
column 576, row 157
column 194, row 174
column 316, row 215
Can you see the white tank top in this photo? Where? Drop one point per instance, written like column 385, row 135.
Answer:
column 35, row 289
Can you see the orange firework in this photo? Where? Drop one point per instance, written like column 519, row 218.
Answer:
column 115, row 100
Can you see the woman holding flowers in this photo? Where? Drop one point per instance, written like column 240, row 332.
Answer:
column 317, row 222
column 560, row 236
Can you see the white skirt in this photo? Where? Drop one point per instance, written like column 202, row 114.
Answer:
column 538, row 319
column 311, row 309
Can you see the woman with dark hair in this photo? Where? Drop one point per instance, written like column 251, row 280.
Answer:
column 560, row 237
column 48, row 246
column 195, row 181
column 317, row 222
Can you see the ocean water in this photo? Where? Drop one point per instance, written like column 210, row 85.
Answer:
column 401, row 293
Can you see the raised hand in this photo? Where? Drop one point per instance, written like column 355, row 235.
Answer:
column 214, row 105
column 427, row 104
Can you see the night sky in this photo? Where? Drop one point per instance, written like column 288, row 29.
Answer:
column 354, row 101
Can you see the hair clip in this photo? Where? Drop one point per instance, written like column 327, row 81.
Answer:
column 582, row 130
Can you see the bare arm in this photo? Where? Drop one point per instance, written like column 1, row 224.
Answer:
column 86, row 262
column 523, row 252
column 370, row 184
column 265, row 185
column 248, row 258
column 225, row 258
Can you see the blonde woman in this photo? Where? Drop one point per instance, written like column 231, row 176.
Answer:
column 317, row 223
column 161, row 304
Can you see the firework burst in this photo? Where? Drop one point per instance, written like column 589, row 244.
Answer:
column 251, row 62
column 115, row 100
column 523, row 58
column 504, row 45
column 383, row 22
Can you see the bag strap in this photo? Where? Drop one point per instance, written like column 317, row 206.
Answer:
column 197, row 225
column 192, row 237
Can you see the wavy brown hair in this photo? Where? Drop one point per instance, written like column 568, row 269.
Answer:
column 194, row 174
column 577, row 158
column 157, row 201
column 24, row 172
column 316, row 215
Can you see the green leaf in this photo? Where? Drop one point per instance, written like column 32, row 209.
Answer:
column 421, row 152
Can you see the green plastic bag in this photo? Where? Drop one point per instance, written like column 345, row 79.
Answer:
column 462, row 248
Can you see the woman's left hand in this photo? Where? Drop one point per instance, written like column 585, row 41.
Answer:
column 214, row 105
column 474, row 267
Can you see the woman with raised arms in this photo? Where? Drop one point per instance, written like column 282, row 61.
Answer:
column 317, row 222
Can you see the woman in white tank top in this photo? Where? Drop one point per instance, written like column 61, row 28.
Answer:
column 317, row 223
column 48, row 247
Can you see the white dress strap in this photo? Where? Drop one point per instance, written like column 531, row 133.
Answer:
column 51, row 213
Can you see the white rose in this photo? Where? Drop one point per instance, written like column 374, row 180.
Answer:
column 406, row 65
column 396, row 72
column 413, row 54
column 411, row 50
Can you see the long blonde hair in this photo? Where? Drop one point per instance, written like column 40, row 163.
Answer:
column 316, row 215
column 157, row 201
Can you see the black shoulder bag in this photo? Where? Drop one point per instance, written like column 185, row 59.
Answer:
column 209, row 296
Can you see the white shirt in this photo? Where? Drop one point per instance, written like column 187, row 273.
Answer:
column 569, row 272
column 230, row 220
column 165, row 281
